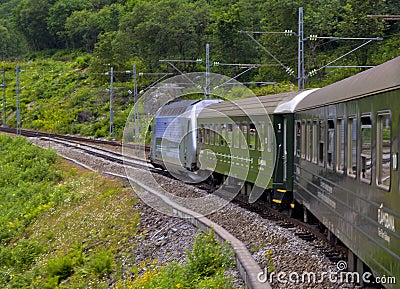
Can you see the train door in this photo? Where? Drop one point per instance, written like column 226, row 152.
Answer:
column 284, row 132
column 284, row 150
column 278, row 184
column 185, row 143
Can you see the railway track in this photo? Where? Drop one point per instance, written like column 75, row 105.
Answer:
column 247, row 267
column 249, row 272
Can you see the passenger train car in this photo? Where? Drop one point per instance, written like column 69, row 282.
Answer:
column 332, row 153
column 248, row 143
column 346, row 164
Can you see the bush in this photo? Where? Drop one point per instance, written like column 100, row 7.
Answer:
column 24, row 254
column 205, row 269
column 60, row 267
column 208, row 257
column 101, row 263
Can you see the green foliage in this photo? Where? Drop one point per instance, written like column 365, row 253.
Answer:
column 101, row 263
column 61, row 267
column 21, row 255
column 208, row 257
column 205, row 268
column 30, row 17
column 27, row 177
column 59, row 228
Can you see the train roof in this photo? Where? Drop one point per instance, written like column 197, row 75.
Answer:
column 249, row 106
column 175, row 108
column 290, row 105
column 384, row 77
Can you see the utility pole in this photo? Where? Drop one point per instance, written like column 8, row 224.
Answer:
column 136, row 95
column 135, row 99
column 112, row 103
column 207, row 94
column 207, row 88
column 17, row 71
column 3, row 84
column 300, row 61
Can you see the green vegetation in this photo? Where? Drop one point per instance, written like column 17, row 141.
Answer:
column 62, row 227
column 27, row 181
column 66, row 46
column 205, row 268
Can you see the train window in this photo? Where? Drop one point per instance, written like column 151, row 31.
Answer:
column 303, row 139
column 383, row 150
column 212, row 134
column 207, row 135
column 268, row 140
column 314, row 142
column 201, row 134
column 222, row 136
column 366, row 146
column 331, row 143
column 340, row 145
column 252, row 136
column 229, row 134
column 217, row 133
column 244, row 129
column 298, row 139
column 321, row 147
column 261, row 136
column 237, row 136
column 308, row 140
column 352, row 146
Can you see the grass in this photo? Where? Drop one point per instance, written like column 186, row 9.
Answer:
column 64, row 227
column 61, row 226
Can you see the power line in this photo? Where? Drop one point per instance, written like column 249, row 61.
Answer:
column 301, row 75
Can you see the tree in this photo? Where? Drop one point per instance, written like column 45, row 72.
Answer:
column 58, row 14
column 356, row 23
column 228, row 44
column 30, row 17
column 83, row 27
column 167, row 29
column 112, row 49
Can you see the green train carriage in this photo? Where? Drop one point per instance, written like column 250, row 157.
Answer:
column 346, row 166
column 241, row 142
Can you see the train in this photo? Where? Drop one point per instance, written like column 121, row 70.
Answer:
column 329, row 155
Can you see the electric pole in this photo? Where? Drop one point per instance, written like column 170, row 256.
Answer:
column 135, row 99
column 111, row 102
column 136, row 95
column 17, row 71
column 207, row 94
column 300, row 61
column 3, row 84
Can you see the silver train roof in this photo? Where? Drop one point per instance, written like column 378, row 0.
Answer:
column 290, row 105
